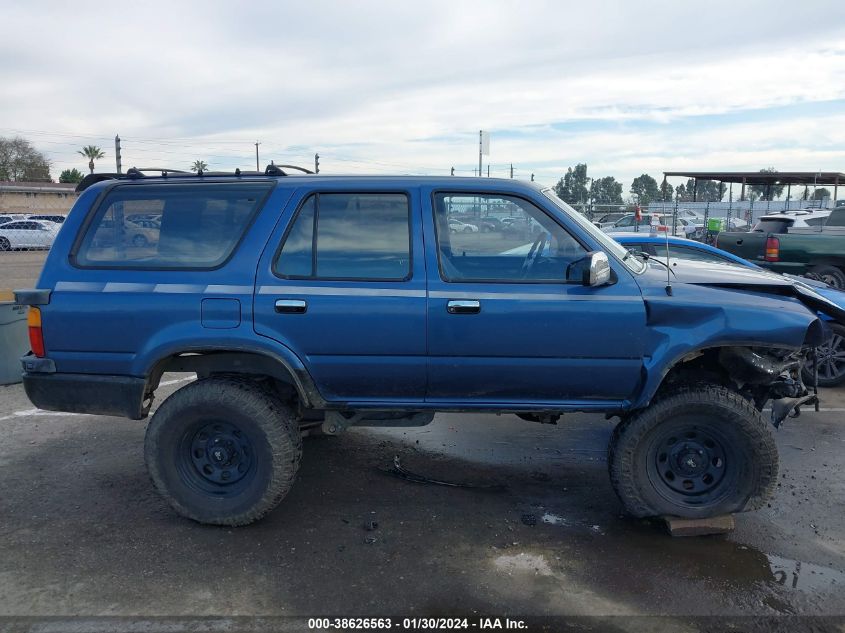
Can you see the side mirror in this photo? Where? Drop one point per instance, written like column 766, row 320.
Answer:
column 592, row 270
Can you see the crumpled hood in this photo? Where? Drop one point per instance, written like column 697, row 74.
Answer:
column 729, row 276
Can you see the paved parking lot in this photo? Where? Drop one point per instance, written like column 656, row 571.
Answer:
column 83, row 532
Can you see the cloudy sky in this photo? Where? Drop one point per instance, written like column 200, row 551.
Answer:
column 401, row 87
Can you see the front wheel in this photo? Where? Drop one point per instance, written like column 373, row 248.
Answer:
column 223, row 451
column 695, row 453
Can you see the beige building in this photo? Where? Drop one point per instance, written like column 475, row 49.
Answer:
column 36, row 197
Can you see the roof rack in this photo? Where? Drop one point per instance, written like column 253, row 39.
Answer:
column 135, row 173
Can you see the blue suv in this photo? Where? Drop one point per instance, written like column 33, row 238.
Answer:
column 314, row 302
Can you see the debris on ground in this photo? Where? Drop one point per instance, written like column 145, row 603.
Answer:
column 529, row 519
column 371, row 526
column 399, row 471
column 370, row 540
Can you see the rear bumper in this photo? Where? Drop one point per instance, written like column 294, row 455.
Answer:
column 121, row 396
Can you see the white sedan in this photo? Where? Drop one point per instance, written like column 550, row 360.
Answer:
column 28, row 234
column 455, row 226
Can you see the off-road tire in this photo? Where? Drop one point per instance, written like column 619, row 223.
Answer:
column 831, row 275
column 708, row 412
column 250, row 419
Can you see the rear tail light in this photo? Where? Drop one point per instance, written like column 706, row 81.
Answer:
column 36, row 336
column 772, row 249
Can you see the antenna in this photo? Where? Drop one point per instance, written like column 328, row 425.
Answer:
column 668, row 264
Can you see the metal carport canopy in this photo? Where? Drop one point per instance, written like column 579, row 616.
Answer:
column 765, row 178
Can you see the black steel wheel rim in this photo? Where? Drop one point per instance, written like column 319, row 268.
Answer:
column 831, row 358
column 692, row 464
column 216, row 457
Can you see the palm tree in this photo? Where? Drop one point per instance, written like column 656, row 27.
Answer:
column 92, row 153
column 199, row 165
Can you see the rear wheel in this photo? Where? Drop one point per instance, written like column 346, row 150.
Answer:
column 695, row 453
column 5, row 245
column 223, row 451
column 831, row 360
column 831, row 275
column 139, row 240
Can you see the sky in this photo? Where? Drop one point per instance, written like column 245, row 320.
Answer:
column 398, row 87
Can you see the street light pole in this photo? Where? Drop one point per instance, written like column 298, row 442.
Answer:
column 257, row 168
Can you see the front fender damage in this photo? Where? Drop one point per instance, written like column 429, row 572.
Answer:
column 753, row 342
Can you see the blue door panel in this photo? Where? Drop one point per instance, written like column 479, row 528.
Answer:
column 367, row 377
column 532, row 342
column 360, row 340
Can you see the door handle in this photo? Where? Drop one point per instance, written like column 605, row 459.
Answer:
column 471, row 306
column 291, row 306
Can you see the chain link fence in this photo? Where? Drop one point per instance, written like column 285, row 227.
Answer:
column 28, row 231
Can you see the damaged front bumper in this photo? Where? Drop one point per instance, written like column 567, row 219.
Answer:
column 765, row 375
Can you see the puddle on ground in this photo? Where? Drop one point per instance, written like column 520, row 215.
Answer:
column 793, row 574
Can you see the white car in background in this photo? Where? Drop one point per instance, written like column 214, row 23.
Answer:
column 28, row 234
column 456, row 226
column 627, row 224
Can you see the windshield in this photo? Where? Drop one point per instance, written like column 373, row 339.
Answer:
column 610, row 245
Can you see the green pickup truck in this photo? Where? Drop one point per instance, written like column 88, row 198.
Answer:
column 774, row 243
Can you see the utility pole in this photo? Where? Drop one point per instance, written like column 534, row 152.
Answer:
column 117, row 154
column 257, row 168
column 488, row 170
column 480, row 148
column 511, row 170
column 316, row 163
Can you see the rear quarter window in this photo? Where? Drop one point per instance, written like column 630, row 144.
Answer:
column 187, row 225
column 772, row 226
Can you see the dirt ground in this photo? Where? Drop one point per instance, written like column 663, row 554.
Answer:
column 84, row 534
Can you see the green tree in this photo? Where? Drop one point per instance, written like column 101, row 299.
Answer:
column 606, row 191
column 71, row 175
column 646, row 189
column 666, row 191
column 768, row 192
column 199, row 165
column 572, row 188
column 20, row 161
column 703, row 191
column 821, row 194
column 92, row 153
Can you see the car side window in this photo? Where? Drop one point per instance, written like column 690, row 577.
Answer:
column 530, row 246
column 197, row 226
column 353, row 236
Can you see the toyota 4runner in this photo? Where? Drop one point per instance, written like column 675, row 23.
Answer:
column 321, row 302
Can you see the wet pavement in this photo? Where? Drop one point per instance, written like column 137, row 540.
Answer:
column 83, row 533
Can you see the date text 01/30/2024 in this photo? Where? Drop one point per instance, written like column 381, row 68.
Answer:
column 431, row 624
